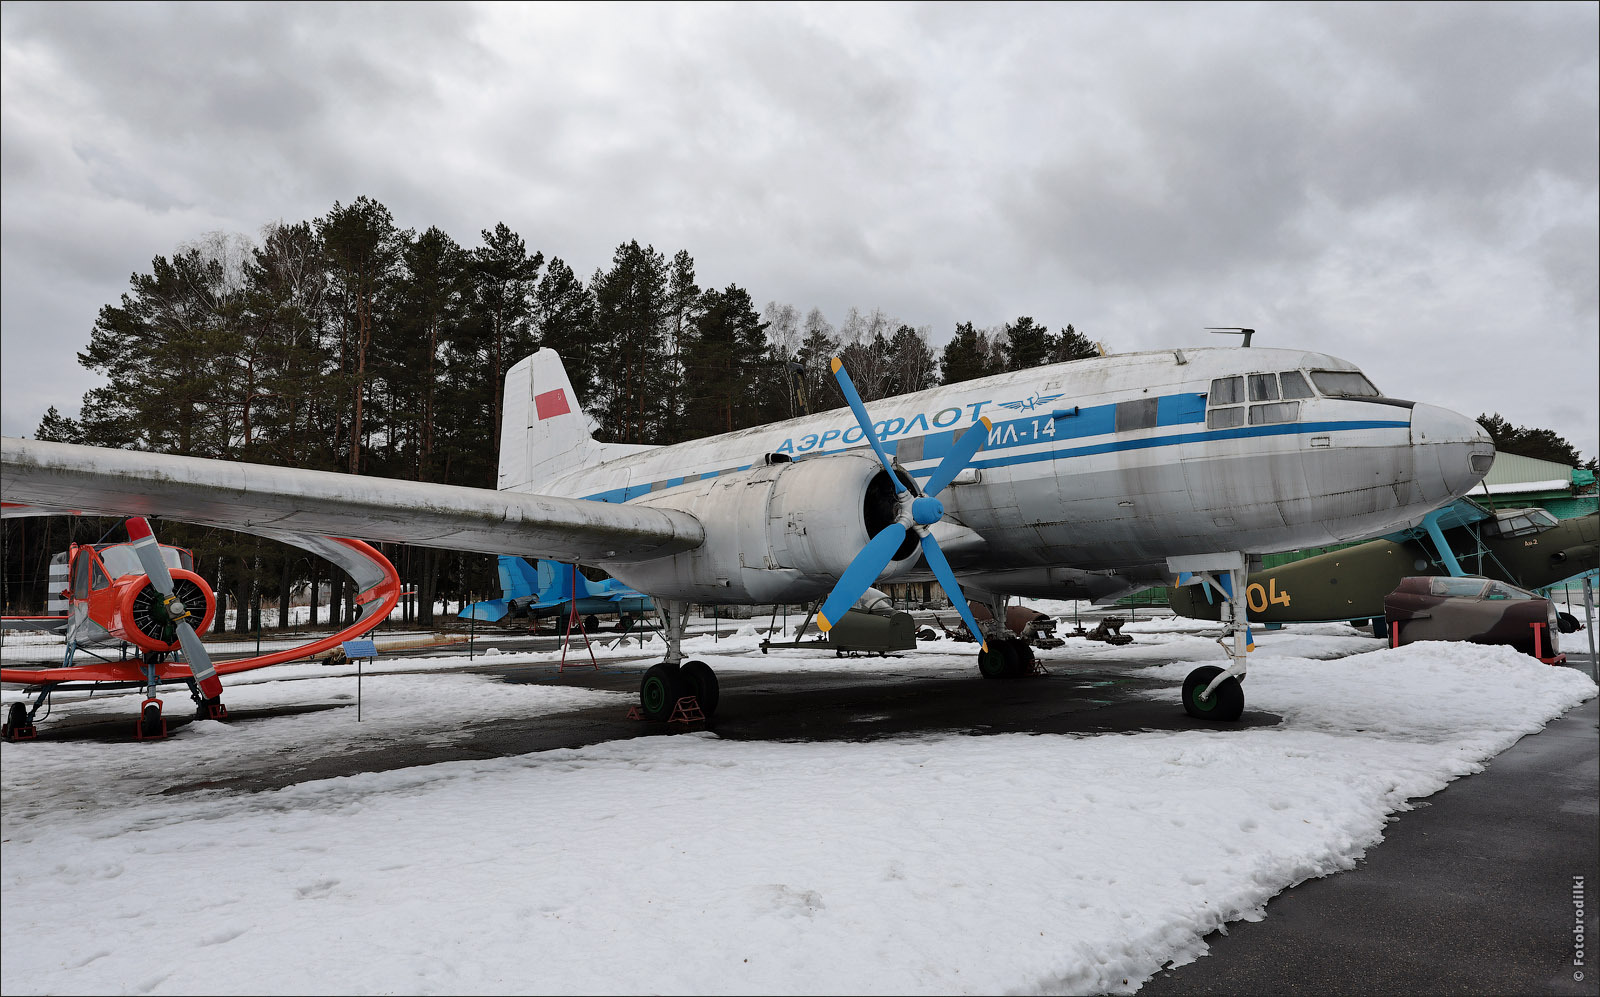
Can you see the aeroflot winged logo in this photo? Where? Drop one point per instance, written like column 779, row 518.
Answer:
column 1029, row 404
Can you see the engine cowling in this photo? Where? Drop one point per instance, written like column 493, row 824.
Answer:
column 144, row 619
column 780, row 532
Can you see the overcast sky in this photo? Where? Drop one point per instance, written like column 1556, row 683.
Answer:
column 1412, row 188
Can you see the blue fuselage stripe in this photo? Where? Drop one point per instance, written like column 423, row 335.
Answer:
column 1066, row 453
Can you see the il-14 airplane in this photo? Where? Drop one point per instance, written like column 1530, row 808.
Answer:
column 1140, row 467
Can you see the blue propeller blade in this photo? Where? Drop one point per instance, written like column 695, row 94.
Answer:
column 952, row 588
column 865, row 422
column 959, row 456
column 863, row 571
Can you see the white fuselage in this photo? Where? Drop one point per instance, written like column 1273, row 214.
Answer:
column 1110, row 465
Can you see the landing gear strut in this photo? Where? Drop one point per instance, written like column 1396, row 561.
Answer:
column 1007, row 656
column 1212, row 693
column 664, row 685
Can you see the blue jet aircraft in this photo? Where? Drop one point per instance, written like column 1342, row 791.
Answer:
column 551, row 590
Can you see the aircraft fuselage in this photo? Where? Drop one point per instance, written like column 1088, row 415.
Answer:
column 1114, row 464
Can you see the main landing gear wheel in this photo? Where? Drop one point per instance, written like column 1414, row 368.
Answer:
column 18, row 725
column 701, row 683
column 1226, row 703
column 660, row 691
column 1005, row 659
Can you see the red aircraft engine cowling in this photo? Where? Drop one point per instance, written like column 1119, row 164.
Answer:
column 139, row 617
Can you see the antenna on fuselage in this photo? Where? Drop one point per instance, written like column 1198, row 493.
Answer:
column 1235, row 330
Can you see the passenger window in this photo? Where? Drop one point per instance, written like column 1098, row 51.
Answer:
column 1225, row 418
column 1138, row 414
column 1263, row 387
column 100, row 579
column 1263, row 415
column 1226, row 391
column 1294, row 385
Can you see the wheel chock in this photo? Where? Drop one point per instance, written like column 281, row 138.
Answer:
column 1539, row 644
column 687, row 711
column 212, row 709
column 21, row 732
column 150, row 716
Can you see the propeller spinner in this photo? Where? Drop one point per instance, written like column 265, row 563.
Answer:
column 915, row 512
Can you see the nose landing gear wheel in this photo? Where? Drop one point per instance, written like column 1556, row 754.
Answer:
column 1225, row 704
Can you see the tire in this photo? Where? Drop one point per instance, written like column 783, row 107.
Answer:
column 1001, row 661
column 1225, row 705
column 1025, row 659
column 1567, row 623
column 150, row 721
column 701, row 683
column 16, row 718
column 1380, row 627
column 660, row 691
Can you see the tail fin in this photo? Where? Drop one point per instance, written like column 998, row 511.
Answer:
column 516, row 577
column 559, row 582
column 544, row 434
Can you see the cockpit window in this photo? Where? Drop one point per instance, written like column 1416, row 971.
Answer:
column 1294, row 385
column 1225, row 418
column 1227, row 391
column 80, row 574
column 1264, row 415
column 1471, row 588
column 1263, row 387
column 1519, row 522
column 1343, row 384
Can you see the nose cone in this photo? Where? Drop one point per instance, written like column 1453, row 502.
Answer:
column 1452, row 449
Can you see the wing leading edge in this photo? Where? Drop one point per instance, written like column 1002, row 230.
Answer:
column 100, row 481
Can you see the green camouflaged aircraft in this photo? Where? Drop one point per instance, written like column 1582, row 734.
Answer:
column 1526, row 547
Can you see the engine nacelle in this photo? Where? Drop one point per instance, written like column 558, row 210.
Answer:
column 779, row 532
column 141, row 619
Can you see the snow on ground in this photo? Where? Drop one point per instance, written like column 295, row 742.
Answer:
column 693, row 864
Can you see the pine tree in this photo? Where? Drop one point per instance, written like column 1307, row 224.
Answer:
column 1027, row 345
column 57, row 428
column 723, row 360
column 504, row 276
column 968, row 355
column 631, row 360
column 1072, row 345
column 912, row 365
column 363, row 249
column 564, row 313
column 819, row 389
column 1530, row 441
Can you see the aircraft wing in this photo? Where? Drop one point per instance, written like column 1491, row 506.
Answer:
column 1461, row 512
column 255, row 497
